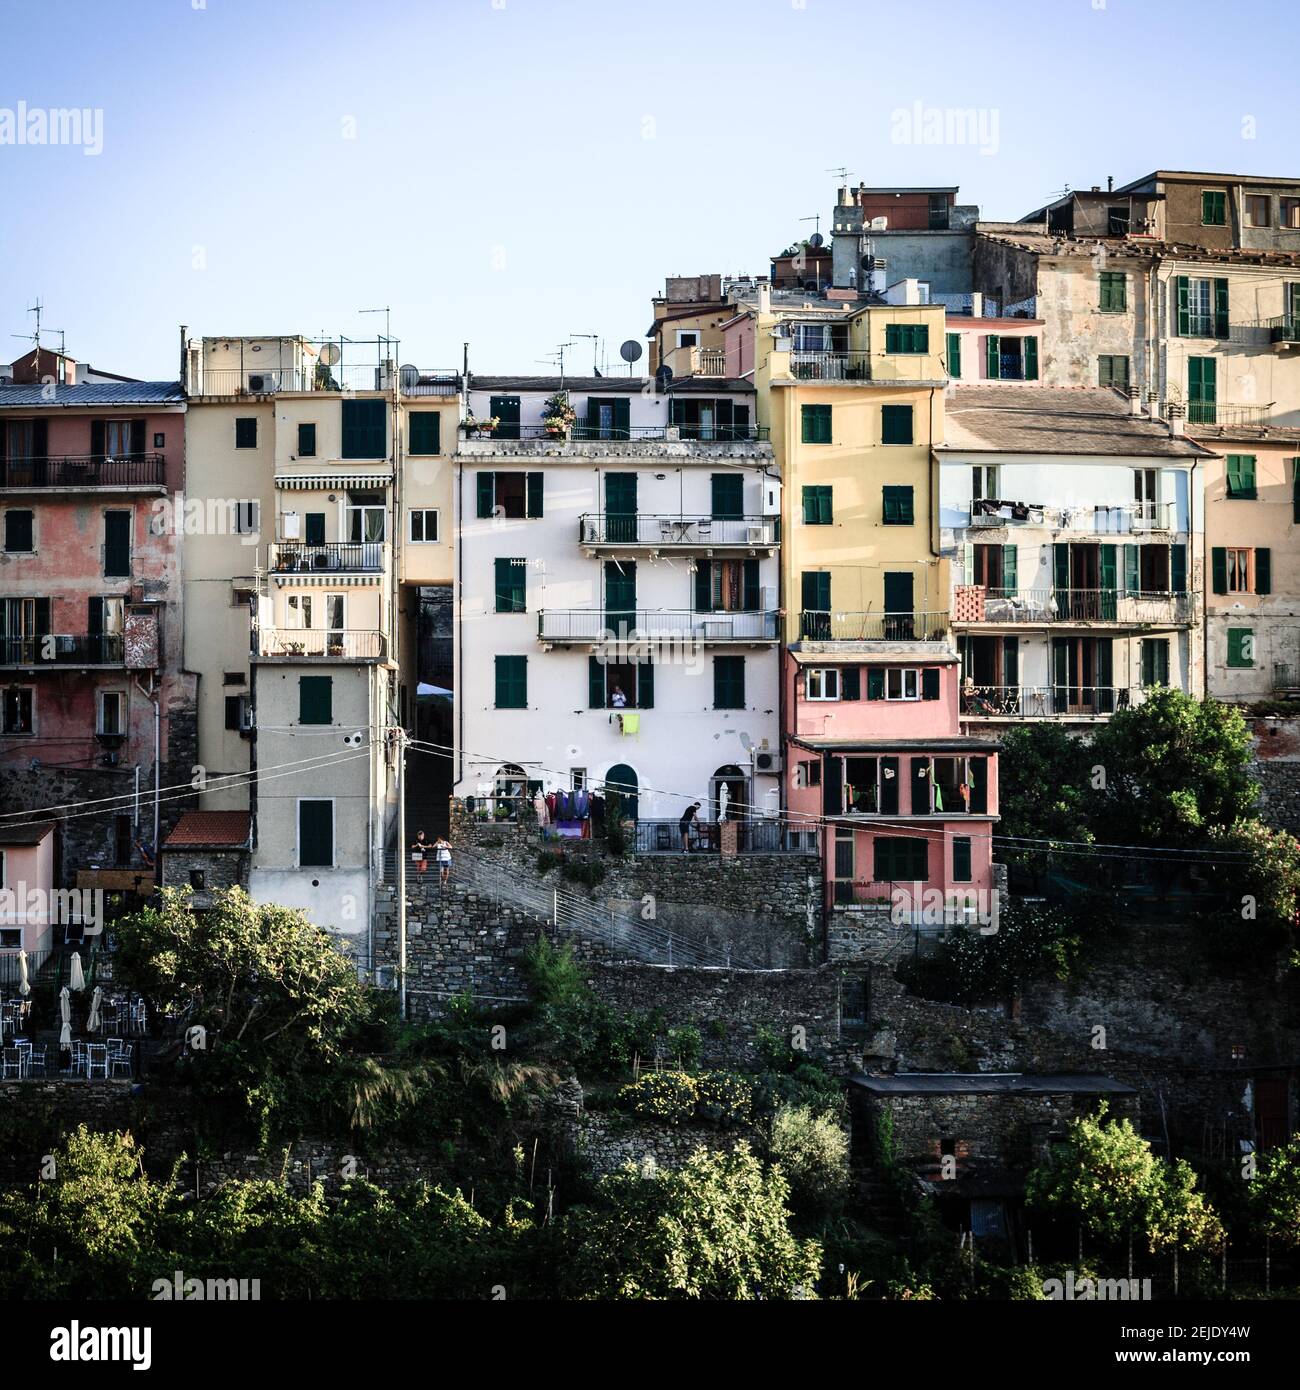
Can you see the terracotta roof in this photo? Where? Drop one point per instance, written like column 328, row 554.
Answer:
column 210, row 830
column 25, row 834
column 1055, row 420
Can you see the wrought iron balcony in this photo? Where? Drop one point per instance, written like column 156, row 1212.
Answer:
column 1214, row 413
column 63, row 649
column 328, row 557
column 1284, row 329
column 673, row 531
column 83, row 471
column 995, row 702
column 1038, row 607
column 582, row 433
column 819, row 625
column 655, row 625
column 757, row 836
column 319, row 644
column 830, row 366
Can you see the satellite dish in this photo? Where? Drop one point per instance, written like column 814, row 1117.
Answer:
column 630, row 351
column 408, row 376
column 330, row 354
column 816, row 239
column 664, row 375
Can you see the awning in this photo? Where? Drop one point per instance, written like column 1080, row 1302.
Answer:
column 324, row 482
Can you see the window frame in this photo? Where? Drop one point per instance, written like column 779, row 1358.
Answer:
column 817, row 494
column 303, row 452
column 242, row 430
column 895, row 412
column 517, row 592
column 822, row 676
column 816, row 418
column 102, row 697
column 423, row 513
column 1108, row 282
column 31, row 531
column 903, row 672
column 425, row 416
column 20, row 691
column 334, row 838
column 515, row 679
column 898, row 494
column 1219, row 206
column 735, row 687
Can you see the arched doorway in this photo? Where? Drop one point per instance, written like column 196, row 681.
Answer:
column 622, row 780
column 737, row 785
column 509, row 787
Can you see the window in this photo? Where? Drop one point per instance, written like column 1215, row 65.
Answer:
column 1240, row 570
column 1117, row 221
column 307, row 441
column 961, row 857
column 728, row 494
column 817, row 505
column 984, row 482
column 426, row 432
column 18, row 531
column 1257, row 209
column 815, row 603
column 1202, row 390
column 512, row 682
column 247, row 517
column 365, row 429
column 1155, row 661
column 728, row 682
column 1289, row 213
column 315, row 700
column 907, row 337
column 615, row 684
column 1241, row 648
column 816, row 422
column 1113, row 285
column 1214, row 208
column 237, row 713
column 1241, row 476
column 898, row 506
column 809, row 772
column 314, row 528
column 954, row 355
column 1202, row 307
column 1112, row 371
column 424, row 525
column 727, row 586
column 688, row 337
column 109, row 716
column 995, row 567
column 17, row 705
column 822, row 683
column 509, row 494
column 246, row 432
column 316, row 834
column 896, row 424
column 159, row 440
column 902, row 683
column 901, row 859
column 511, row 585
column 117, row 545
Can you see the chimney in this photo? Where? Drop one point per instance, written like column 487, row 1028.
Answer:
column 1174, row 410
column 1110, row 183
column 1135, row 401
column 185, row 363
column 764, row 297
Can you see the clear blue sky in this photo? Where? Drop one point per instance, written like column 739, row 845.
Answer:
column 501, row 187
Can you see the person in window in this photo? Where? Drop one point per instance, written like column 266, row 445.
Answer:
column 617, row 700
column 684, row 825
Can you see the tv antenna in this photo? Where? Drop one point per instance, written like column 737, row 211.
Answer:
column 595, row 344
column 817, row 228
column 558, row 356
column 35, row 337
column 842, row 173
column 386, row 311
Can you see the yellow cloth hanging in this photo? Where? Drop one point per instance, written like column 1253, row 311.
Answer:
column 631, row 723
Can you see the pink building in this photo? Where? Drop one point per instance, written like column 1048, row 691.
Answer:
column 91, row 691
column 874, row 747
column 26, row 897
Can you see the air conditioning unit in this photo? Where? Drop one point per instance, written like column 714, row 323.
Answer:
column 261, row 383
column 766, row 761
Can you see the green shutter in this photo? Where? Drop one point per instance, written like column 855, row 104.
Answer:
column 815, row 421
column 622, row 418
column 511, row 682
column 896, row 424
column 1109, row 581
column 954, row 356
column 921, row 786
column 703, row 586
column 898, row 508
column 893, row 337
column 851, row 683
column 921, row 337
column 1061, row 566
column 1132, row 570
column 751, row 597
column 534, row 508
column 1010, row 574
column 645, row 685
column 817, row 505
column 511, row 592
column 315, row 700
column 1031, row 359
column 930, row 683
column 1240, row 648
column 889, row 790
column 1011, row 661
column 1178, row 567
column 728, row 493
column 992, row 356
column 425, row 431
column 1184, row 308
column 486, row 491
column 1295, row 491
column 1241, row 476
column 729, row 682
column 1221, row 309
column 365, row 429
column 1263, row 570
column 961, row 867
column 316, row 833
column 595, row 683
column 832, row 786
column 875, row 683
column 1219, row 568
column 979, row 786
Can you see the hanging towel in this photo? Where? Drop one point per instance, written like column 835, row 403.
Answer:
column 938, row 792
column 581, row 803
column 631, row 723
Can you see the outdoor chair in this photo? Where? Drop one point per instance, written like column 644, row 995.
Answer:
column 39, row 1060
column 96, row 1062
column 119, row 1063
column 78, row 1057
column 11, row 1064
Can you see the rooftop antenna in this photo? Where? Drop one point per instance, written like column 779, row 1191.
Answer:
column 36, row 309
column 841, row 171
column 816, row 218
column 386, row 311
column 558, row 356
column 595, row 344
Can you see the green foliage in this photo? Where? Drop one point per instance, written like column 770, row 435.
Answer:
column 589, row 872
column 684, row 1044
column 1044, row 791
column 717, row 1228
column 1260, row 880
column 664, row 1097
column 724, row 1098
column 1106, row 1176
column 1275, row 1193
column 813, row 1153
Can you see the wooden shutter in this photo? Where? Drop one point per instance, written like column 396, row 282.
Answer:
column 1263, row 570
column 930, row 683
column 534, row 508
column 1132, row 570
column 595, row 683
column 810, row 506
column 315, row 700
column 486, row 491
column 41, row 617
column 920, row 786
column 992, row 356
column 1220, row 308
column 1219, row 568
column 645, row 685
column 832, row 787
column 728, row 496
column 1011, row 661
column 1184, row 316
column 751, row 596
column 921, row 337
column 961, row 859
column 1031, row 359
column 1109, row 581
column 511, row 682
column 875, row 683
column 622, row 417
column 316, row 833
column 1178, row 567
column 117, row 544
column 137, row 437
column 426, row 429
column 1295, row 491
column 851, row 683
column 313, row 531
column 979, row 786
column 1061, row 566
column 1010, row 569
column 233, row 703
column 954, row 356
column 510, row 583
column 40, row 438
column 97, row 444
column 889, row 794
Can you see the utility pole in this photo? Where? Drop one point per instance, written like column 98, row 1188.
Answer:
column 401, row 870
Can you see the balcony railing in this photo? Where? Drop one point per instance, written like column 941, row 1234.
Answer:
column 84, row 470
column 1040, row 606
column 429, row 381
column 319, row 644
column 63, row 649
column 269, row 381
column 1121, row 518
column 1213, row 413
column 705, row 837
column 655, row 625
column 816, row 625
column 830, row 366
column 1045, row 701
column 330, row 557
column 591, row 434
column 1284, row 329
column 668, row 531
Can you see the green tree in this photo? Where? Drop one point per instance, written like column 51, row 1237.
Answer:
column 1106, row 1176
column 1044, row 784
column 1275, row 1193
column 1260, row 879
column 716, row 1228
column 812, row 1150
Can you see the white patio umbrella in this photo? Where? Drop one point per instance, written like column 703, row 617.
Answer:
column 94, row 1022
column 65, row 1014
column 24, row 984
column 76, row 975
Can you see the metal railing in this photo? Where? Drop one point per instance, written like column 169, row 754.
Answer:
column 817, row 625
column 428, row 381
column 310, row 376
column 677, row 624
column 1213, row 413
column 1046, row 701
column 582, row 433
column 328, row 557
column 1037, row 606
column 319, row 643
column 1119, row 518
column 830, row 366
column 665, row 530
column 63, row 649
column 1285, row 328
column 752, row 837
column 83, row 470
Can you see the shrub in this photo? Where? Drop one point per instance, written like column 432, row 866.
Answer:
column 813, row 1153
column 586, row 871
column 724, row 1098
column 667, row 1097
column 684, row 1046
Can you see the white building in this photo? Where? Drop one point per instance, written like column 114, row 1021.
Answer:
column 1075, row 533
column 617, row 596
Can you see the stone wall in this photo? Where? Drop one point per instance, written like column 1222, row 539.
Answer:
column 607, row 1143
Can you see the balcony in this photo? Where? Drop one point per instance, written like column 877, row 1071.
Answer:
column 974, row 603
column 1121, row 518
column 331, row 557
column 816, row 625
column 428, row 381
column 318, row 644
column 1254, row 417
column 696, row 361
column 1284, row 331
column 676, row 532
column 1004, row 702
column 511, row 434
column 81, row 471
column 705, row 837
column 593, row 626
column 63, row 649
column 830, row 366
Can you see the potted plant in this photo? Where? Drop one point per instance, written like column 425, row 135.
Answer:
column 481, row 428
column 558, row 415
